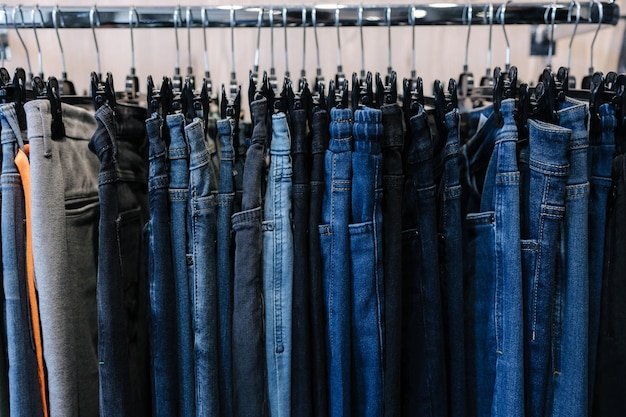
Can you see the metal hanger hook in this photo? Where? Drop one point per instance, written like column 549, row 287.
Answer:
column 271, row 18
column 34, row 11
column 94, row 19
column 6, row 23
column 284, row 13
column 600, row 18
column 359, row 23
column 550, row 8
column 337, row 24
column 15, row 10
column 488, row 18
column 502, row 13
column 189, row 22
column 258, row 41
column 467, row 19
column 574, row 3
column 388, row 19
column 412, row 22
column 233, row 76
column 303, row 71
column 318, row 69
column 205, row 22
column 177, row 23
column 133, row 18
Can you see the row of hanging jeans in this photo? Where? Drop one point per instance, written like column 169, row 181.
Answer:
column 374, row 261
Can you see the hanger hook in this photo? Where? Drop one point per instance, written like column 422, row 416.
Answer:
column 34, row 11
column 284, row 13
column 189, row 21
column 412, row 23
column 388, row 19
column 177, row 22
column 318, row 69
column 94, row 19
column 133, row 18
column 258, row 40
column 550, row 8
column 339, row 64
column 573, row 3
column 360, row 24
column 502, row 12
column 205, row 22
column 6, row 23
column 488, row 18
column 600, row 18
column 233, row 76
column 467, row 19
column 303, row 72
column 15, row 10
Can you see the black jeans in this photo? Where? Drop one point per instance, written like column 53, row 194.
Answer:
column 610, row 379
column 121, row 144
column 249, row 381
column 393, row 183
column 319, row 143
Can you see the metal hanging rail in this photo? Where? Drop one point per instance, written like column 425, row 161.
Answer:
column 74, row 17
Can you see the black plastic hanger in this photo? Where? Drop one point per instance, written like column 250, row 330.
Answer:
column 103, row 92
column 386, row 93
column 445, row 101
column 362, row 91
column 412, row 98
column 50, row 91
column 337, row 97
column 14, row 92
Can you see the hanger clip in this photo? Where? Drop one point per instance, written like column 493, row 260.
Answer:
column 103, row 92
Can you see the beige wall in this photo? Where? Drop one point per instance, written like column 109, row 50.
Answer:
column 440, row 50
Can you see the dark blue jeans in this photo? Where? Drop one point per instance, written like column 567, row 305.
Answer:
column 493, row 271
column 249, row 380
column 601, row 149
column 571, row 319
column 162, row 319
column 423, row 355
column 335, row 251
column 451, row 266
column 393, row 184
column 178, row 153
column 545, row 208
column 24, row 391
column 301, row 404
column 225, row 197
column 202, row 270
column 366, row 255
column 122, row 278
column 319, row 367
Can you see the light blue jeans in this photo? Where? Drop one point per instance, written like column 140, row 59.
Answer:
column 278, row 269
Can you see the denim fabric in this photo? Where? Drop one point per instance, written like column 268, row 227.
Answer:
column 601, row 149
column 301, row 404
column 278, row 269
column 493, row 271
column 249, row 366
column 549, row 169
column 335, row 255
column 319, row 367
column 24, row 393
column 610, row 378
column 423, row 355
column 240, row 144
column 393, row 183
column 366, row 256
column 571, row 320
column 65, row 212
column 451, row 266
column 178, row 154
column 163, row 340
column 202, row 271
column 225, row 197
column 122, row 276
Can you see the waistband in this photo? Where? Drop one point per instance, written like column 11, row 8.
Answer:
column 178, row 144
column 367, row 130
column 340, row 130
column 393, row 132
column 281, row 140
column 320, row 124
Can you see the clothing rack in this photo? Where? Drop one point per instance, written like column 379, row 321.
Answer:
column 72, row 17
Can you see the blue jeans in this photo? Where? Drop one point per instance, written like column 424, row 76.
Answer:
column 451, row 267
column 178, row 153
column 335, row 251
column 202, row 271
column 493, row 271
column 225, row 197
column 548, row 171
column 423, row 356
column 570, row 334
column 366, row 256
column 24, row 392
column 278, row 269
column 162, row 318
column 602, row 146
column 249, row 379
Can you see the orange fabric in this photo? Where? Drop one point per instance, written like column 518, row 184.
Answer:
column 23, row 166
